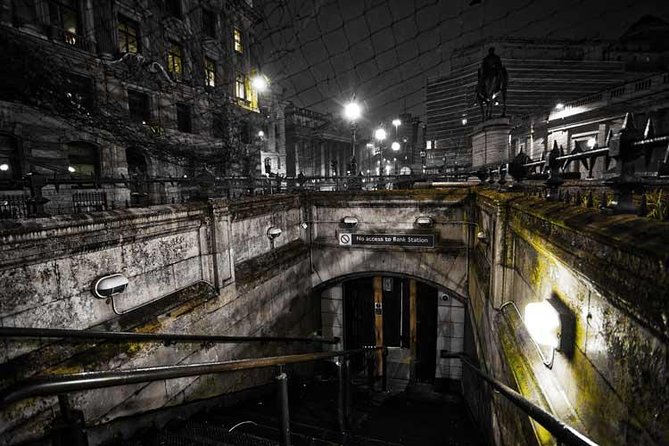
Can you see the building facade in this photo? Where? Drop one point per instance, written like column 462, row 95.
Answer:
column 134, row 91
column 542, row 74
column 317, row 144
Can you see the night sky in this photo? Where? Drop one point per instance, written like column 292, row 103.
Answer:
column 322, row 52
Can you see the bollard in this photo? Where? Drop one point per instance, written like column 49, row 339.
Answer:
column 341, row 396
column 284, row 428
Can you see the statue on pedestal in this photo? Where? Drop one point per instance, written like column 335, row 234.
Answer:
column 492, row 83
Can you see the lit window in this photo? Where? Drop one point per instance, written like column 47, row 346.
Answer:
column 175, row 59
column 209, row 23
column 10, row 166
column 209, row 72
column 239, row 44
column 83, row 159
column 240, row 87
column 128, row 36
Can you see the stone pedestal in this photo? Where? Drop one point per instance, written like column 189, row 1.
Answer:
column 490, row 142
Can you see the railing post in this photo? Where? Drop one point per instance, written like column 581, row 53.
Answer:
column 70, row 429
column 284, row 428
column 370, row 370
column 384, row 369
column 341, row 396
column 349, row 396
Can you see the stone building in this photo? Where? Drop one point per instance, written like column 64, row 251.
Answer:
column 128, row 90
column 586, row 123
column 317, row 144
column 541, row 75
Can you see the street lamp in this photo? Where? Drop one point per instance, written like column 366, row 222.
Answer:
column 260, row 83
column 395, row 146
column 380, row 134
column 352, row 112
column 396, row 123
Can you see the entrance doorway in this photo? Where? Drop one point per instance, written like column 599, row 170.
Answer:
column 399, row 313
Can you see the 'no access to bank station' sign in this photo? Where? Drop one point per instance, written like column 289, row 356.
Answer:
column 419, row 240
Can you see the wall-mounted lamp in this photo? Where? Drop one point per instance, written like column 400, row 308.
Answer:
column 109, row 286
column 304, row 225
column 350, row 222
column 424, row 222
column 550, row 323
column 482, row 236
column 273, row 232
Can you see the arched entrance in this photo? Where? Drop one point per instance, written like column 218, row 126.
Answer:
column 416, row 320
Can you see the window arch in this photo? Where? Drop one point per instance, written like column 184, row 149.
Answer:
column 83, row 159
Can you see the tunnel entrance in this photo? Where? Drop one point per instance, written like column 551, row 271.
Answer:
column 397, row 312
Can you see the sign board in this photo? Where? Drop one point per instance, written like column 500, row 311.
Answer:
column 415, row 240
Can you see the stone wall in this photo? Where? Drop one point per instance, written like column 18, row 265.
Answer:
column 611, row 273
column 191, row 269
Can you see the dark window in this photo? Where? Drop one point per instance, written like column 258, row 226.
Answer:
column 209, row 23
column 79, row 91
column 82, row 159
column 10, row 165
column 245, row 132
column 175, row 59
column 183, row 118
column 209, row 72
column 128, row 35
column 173, row 8
column 64, row 16
column 219, row 126
column 138, row 104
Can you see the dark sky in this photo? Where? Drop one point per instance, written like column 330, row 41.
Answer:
column 324, row 51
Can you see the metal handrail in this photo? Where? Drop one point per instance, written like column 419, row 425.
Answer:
column 26, row 332
column 560, row 430
column 62, row 384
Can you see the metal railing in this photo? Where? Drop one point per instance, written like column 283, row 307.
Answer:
column 27, row 332
column 565, row 434
column 61, row 385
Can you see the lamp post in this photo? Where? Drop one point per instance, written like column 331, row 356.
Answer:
column 352, row 112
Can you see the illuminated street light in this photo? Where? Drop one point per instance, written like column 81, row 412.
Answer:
column 4, row 167
column 260, row 83
column 395, row 146
column 352, row 111
column 261, row 134
column 380, row 134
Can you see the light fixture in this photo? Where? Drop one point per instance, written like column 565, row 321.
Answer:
column 395, row 146
column 424, row 222
column 464, row 121
column 260, row 83
column 349, row 221
column 4, row 167
column 482, row 236
column 352, row 111
column 109, row 286
column 71, row 169
column 261, row 134
column 397, row 122
column 273, row 232
column 551, row 324
column 304, row 225
column 592, row 142
column 559, row 106
column 380, row 134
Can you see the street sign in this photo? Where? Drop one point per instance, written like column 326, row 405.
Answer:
column 412, row 240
